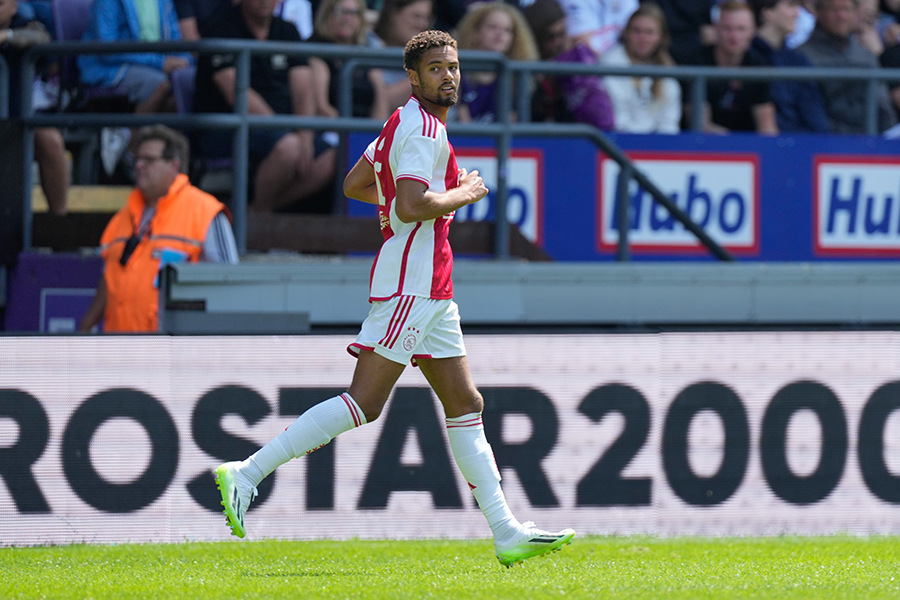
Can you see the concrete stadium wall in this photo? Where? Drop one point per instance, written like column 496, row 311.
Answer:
column 334, row 291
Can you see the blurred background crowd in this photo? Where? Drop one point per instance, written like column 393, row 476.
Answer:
column 294, row 171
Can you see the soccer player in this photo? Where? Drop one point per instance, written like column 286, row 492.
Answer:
column 410, row 171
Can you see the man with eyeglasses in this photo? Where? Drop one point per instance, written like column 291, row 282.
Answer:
column 165, row 220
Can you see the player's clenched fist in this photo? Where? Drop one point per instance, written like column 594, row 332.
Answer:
column 473, row 185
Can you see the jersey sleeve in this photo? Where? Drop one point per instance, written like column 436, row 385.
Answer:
column 369, row 154
column 417, row 158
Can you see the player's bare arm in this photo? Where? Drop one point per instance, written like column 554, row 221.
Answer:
column 359, row 184
column 416, row 203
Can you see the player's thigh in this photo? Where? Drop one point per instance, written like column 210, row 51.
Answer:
column 373, row 380
column 451, row 380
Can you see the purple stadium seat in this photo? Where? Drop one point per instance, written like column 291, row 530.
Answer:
column 71, row 18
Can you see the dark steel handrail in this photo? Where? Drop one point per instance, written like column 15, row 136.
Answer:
column 4, row 89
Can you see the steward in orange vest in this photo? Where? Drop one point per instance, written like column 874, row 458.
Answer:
column 166, row 219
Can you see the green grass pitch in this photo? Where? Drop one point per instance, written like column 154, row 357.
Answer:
column 592, row 567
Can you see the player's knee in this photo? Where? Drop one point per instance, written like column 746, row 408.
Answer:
column 477, row 403
column 473, row 403
column 370, row 405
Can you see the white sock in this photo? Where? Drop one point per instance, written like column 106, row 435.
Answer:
column 475, row 459
column 312, row 430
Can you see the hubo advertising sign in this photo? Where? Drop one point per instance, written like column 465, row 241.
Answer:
column 720, row 192
column 857, row 205
column 524, row 204
column 115, row 439
column 764, row 198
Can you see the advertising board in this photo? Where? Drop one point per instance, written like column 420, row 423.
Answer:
column 765, row 198
column 115, row 439
column 720, row 192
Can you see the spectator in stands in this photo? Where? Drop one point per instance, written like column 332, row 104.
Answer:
column 867, row 33
column 398, row 22
column 888, row 23
column 889, row 29
column 832, row 44
column 565, row 98
column 597, row 23
column 735, row 105
column 448, row 14
column 142, row 77
column 342, row 22
column 165, row 220
column 890, row 59
column 16, row 36
column 38, row 10
column 193, row 15
column 690, row 26
column 300, row 13
column 494, row 27
column 806, row 22
column 798, row 104
column 290, row 166
column 644, row 104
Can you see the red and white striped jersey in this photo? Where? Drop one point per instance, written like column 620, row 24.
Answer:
column 415, row 258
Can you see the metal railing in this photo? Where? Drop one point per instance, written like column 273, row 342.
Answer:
column 240, row 121
column 700, row 75
column 359, row 57
column 4, row 89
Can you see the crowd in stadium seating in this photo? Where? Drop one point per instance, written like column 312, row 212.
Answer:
column 861, row 34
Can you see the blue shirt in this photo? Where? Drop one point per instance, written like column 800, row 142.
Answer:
column 798, row 104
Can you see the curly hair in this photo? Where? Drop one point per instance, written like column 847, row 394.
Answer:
column 423, row 42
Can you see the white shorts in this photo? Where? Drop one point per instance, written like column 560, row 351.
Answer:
column 406, row 328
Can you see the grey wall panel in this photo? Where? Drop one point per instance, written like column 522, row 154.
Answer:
column 334, row 291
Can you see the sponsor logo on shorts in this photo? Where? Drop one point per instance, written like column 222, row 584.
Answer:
column 410, row 339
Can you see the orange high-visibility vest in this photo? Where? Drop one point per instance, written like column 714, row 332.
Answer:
column 176, row 232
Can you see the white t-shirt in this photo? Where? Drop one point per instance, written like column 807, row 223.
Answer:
column 601, row 20
column 804, row 26
column 298, row 12
column 634, row 107
column 415, row 259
